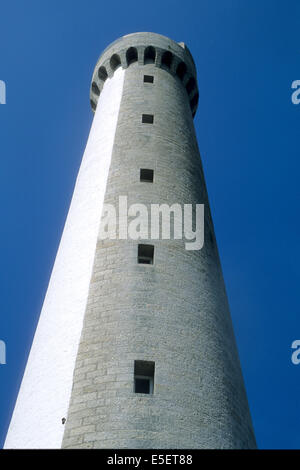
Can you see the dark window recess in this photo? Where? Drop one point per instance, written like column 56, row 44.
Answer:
column 95, row 89
column 194, row 101
column 146, row 176
column 149, row 55
column 142, row 385
column 144, row 376
column 102, row 73
column 190, row 85
column 147, row 118
column 115, row 62
column 145, row 254
column 131, row 55
column 181, row 70
column 167, row 59
column 148, row 79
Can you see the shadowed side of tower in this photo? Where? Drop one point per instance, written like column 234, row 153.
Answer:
column 157, row 364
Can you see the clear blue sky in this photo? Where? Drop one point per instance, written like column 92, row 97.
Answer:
column 247, row 54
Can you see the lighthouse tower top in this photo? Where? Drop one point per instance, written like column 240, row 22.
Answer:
column 147, row 48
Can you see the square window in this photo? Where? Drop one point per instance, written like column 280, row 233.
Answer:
column 144, row 377
column 147, row 118
column 145, row 254
column 148, row 79
column 146, row 175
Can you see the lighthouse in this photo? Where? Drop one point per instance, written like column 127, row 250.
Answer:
column 135, row 347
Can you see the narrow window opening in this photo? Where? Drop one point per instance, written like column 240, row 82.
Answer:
column 146, row 175
column 181, row 70
column 167, row 59
column 148, row 79
column 95, row 89
column 190, row 85
column 131, row 55
column 115, row 62
column 145, row 254
column 144, row 377
column 149, row 55
column 148, row 118
column 102, row 73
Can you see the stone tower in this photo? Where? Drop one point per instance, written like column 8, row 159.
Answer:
column 135, row 346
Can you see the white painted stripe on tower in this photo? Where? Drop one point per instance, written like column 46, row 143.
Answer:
column 46, row 386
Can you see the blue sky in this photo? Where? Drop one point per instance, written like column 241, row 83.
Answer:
column 247, row 55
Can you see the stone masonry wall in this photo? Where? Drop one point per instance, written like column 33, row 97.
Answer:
column 174, row 312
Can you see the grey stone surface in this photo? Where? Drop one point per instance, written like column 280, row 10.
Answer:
column 174, row 312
